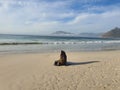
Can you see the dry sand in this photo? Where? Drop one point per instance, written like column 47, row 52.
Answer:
column 87, row 71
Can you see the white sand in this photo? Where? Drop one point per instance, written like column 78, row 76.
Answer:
column 88, row 71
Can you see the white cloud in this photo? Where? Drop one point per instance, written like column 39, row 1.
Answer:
column 96, row 22
column 39, row 17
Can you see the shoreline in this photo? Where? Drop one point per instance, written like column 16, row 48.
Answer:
column 86, row 71
column 52, row 51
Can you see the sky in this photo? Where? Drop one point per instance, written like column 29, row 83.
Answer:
column 39, row 17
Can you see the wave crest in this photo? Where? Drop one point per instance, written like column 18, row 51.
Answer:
column 61, row 42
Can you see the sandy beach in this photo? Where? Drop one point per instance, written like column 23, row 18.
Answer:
column 86, row 71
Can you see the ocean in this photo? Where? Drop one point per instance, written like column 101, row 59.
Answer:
column 40, row 44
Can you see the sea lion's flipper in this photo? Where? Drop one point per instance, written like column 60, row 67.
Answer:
column 57, row 63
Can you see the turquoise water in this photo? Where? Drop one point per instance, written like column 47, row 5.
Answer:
column 30, row 44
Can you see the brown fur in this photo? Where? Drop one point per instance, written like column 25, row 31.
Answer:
column 62, row 60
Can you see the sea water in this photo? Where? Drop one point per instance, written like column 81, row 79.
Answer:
column 37, row 44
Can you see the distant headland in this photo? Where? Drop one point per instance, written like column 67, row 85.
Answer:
column 114, row 33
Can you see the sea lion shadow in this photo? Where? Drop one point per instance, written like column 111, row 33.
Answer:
column 80, row 63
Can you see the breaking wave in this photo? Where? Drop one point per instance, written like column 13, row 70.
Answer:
column 62, row 42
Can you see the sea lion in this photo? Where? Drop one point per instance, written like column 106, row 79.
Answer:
column 62, row 60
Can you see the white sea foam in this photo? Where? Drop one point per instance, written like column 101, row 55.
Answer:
column 59, row 42
column 84, row 42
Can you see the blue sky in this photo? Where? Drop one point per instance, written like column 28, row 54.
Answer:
column 46, row 16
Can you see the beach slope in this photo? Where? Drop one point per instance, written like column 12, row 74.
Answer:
column 85, row 71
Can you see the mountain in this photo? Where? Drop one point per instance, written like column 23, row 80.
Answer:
column 62, row 33
column 90, row 34
column 114, row 33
